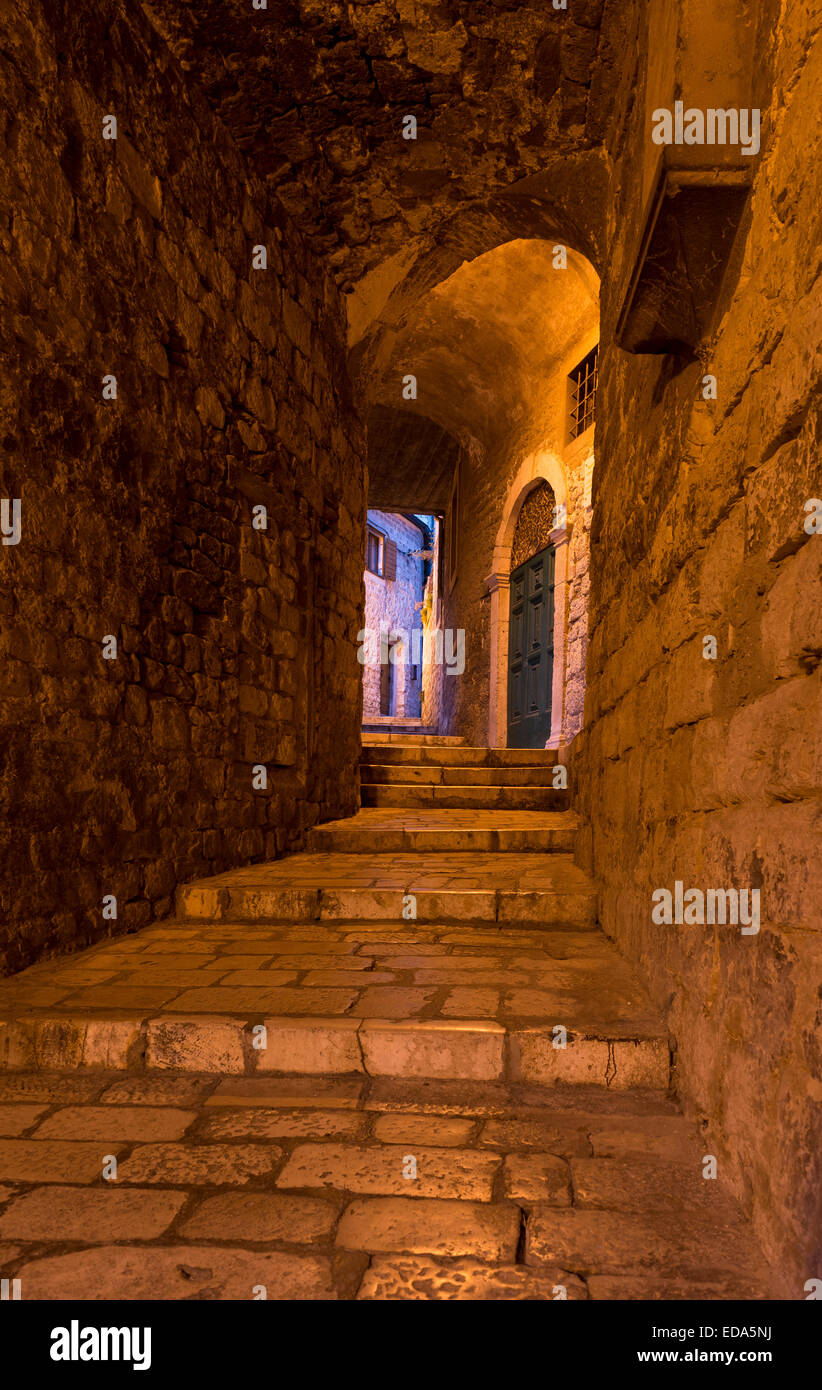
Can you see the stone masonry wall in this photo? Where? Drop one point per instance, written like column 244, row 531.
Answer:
column 709, row 771
column 133, row 257
column 580, row 475
column 436, row 679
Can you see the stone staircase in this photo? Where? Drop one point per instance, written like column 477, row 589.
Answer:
column 404, row 1063
column 459, row 777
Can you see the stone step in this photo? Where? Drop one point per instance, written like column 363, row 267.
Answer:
column 250, row 903
column 548, row 889
column 422, row 795
column 339, row 1000
column 372, row 737
column 389, row 831
column 411, row 722
column 459, row 1001
column 427, row 774
column 420, row 1049
column 456, row 755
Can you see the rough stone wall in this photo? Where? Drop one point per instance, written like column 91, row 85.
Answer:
column 487, row 478
column 579, row 474
column 133, row 257
column 708, row 771
column 390, row 605
column 492, row 85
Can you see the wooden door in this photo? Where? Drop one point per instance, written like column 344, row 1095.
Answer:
column 531, row 651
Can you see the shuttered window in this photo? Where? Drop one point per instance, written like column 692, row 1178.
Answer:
column 375, row 551
column 390, row 559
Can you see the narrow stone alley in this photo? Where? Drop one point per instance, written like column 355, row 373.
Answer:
column 404, row 1064
column 411, row 667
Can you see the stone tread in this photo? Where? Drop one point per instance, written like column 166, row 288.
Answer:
column 358, row 1189
column 442, row 871
column 391, row 830
column 406, row 1127
column 375, row 970
column 425, row 774
column 412, row 796
column 453, row 818
column 459, row 885
column 456, row 755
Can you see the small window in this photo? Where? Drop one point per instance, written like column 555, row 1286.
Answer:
column 375, row 551
column 583, row 394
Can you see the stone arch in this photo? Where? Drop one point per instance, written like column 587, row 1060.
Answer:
column 536, row 521
column 491, row 346
column 541, row 467
column 545, row 207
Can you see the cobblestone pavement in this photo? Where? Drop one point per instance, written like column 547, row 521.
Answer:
column 353, row 1187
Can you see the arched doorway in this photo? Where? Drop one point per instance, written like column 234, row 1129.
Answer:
column 527, row 589
column 531, row 621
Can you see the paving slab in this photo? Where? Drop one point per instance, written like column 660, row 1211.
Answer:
column 370, row 1188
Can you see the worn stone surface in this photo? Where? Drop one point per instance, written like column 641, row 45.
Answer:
column 707, row 771
column 490, row 87
column 597, row 1242
column 423, row 1226
column 133, row 258
column 183, row 1271
column 411, row 1277
column 52, row 1160
column 125, row 1122
column 236, row 648
column 418, row 1190
column 203, row 1164
column 261, row 1216
column 64, row 1213
column 537, row 1178
column 15, row 1119
column 406, row 1170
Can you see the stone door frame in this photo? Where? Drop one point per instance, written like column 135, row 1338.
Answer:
column 543, row 466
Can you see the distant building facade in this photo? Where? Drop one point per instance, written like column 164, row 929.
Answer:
column 395, row 580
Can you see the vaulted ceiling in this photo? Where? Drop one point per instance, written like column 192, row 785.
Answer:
column 481, row 346
column 440, row 243
column 315, row 92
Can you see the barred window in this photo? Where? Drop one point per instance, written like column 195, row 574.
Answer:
column 582, row 394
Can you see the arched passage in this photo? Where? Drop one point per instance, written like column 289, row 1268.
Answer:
column 490, row 349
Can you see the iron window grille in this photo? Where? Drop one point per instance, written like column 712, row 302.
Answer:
column 583, row 393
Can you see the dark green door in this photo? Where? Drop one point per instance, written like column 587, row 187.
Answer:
column 531, row 651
